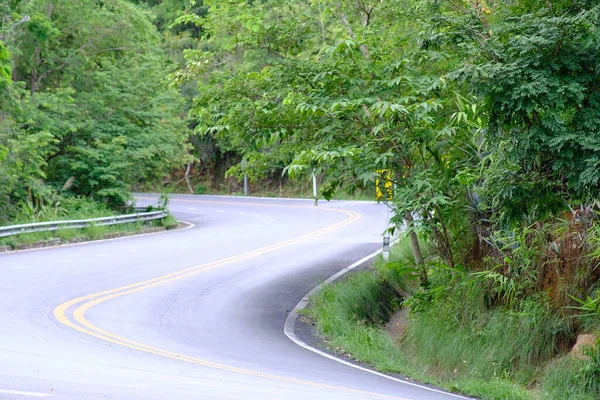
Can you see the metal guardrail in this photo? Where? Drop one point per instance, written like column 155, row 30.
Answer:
column 81, row 223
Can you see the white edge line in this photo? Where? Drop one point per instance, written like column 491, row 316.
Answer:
column 290, row 323
column 189, row 226
column 22, row 393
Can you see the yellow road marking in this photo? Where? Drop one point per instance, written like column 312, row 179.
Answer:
column 84, row 303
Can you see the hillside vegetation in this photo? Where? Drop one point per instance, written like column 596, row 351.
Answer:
column 485, row 113
column 84, row 108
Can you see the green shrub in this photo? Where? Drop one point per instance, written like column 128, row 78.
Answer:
column 200, row 189
column 169, row 222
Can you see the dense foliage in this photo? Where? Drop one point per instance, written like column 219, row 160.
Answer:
column 84, row 107
column 484, row 113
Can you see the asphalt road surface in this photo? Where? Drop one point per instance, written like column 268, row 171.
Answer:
column 187, row 314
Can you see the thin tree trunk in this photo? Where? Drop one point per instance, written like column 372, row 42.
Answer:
column 34, row 70
column 280, row 186
column 36, row 57
column 442, row 240
column 187, row 176
column 446, row 238
column 322, row 23
column 416, row 248
column 363, row 48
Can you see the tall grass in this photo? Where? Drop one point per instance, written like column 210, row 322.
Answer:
column 491, row 334
column 344, row 313
column 349, row 315
column 59, row 208
column 570, row 378
column 499, row 344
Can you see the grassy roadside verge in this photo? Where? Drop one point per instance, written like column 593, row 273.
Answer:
column 496, row 355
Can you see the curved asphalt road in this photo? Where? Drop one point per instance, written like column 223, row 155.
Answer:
column 188, row 314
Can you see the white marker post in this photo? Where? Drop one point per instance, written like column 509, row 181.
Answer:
column 385, row 251
column 314, row 179
column 386, row 248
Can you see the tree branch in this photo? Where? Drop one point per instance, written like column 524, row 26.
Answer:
column 366, row 12
column 363, row 48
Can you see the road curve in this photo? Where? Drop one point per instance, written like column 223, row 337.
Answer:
column 188, row 314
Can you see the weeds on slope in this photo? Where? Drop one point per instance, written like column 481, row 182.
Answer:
column 349, row 315
column 501, row 331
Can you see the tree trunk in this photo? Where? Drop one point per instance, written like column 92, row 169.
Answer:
column 187, row 177
column 442, row 239
column 416, row 249
column 36, row 57
column 322, row 24
column 363, row 48
column 446, row 238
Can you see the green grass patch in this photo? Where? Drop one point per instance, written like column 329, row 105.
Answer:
column 344, row 313
column 497, row 389
column 342, row 310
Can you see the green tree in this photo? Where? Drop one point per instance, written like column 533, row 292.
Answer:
column 89, row 92
column 535, row 66
column 320, row 86
column 5, row 67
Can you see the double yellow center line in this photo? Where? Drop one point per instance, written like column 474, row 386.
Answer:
column 73, row 312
